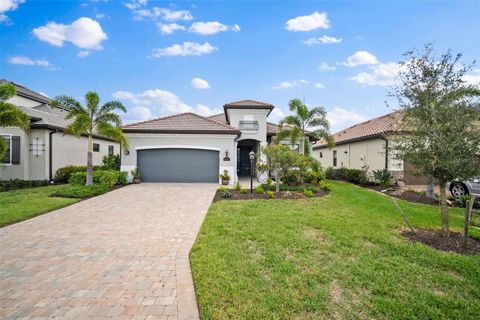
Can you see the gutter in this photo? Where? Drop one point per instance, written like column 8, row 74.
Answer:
column 50, row 154
column 386, row 152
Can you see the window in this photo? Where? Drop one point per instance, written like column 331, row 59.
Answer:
column 334, row 158
column 96, row 147
column 110, row 150
column 321, row 154
column 8, row 155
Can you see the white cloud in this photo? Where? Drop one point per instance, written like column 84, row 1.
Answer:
column 83, row 53
column 276, row 115
column 199, row 83
column 161, row 13
column 26, row 61
column 383, row 74
column 8, row 5
column 340, row 118
column 325, row 67
column 360, row 58
column 211, row 27
column 472, row 78
column 135, row 4
column 156, row 102
column 322, row 40
column 185, row 49
column 307, row 23
column 290, row 84
column 169, row 28
column 84, row 32
column 100, row 15
column 318, row 85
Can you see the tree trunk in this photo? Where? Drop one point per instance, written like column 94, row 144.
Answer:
column 444, row 210
column 466, row 224
column 277, row 181
column 89, row 181
column 430, row 189
column 301, row 147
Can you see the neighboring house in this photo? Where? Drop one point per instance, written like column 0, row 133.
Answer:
column 36, row 155
column 366, row 146
column 191, row 148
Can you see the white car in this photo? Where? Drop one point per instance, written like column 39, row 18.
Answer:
column 460, row 188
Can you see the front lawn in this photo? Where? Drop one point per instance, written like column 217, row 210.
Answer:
column 23, row 204
column 336, row 257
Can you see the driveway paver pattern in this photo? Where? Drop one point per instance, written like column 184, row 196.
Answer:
column 122, row 255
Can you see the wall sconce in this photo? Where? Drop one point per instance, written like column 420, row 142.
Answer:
column 345, row 151
column 226, row 158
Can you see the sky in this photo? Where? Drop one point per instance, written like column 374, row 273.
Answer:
column 164, row 57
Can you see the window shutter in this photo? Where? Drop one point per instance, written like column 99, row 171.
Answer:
column 15, row 150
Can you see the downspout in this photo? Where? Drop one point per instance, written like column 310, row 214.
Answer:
column 386, row 152
column 50, row 154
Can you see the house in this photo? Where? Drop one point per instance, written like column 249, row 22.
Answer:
column 36, row 155
column 367, row 146
column 191, row 148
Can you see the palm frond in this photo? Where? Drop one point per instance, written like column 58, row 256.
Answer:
column 111, row 106
column 92, row 99
column 114, row 133
column 12, row 116
column 7, row 90
column 291, row 121
column 67, row 102
column 80, row 125
column 108, row 118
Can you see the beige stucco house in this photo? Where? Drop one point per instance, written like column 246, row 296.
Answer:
column 191, row 148
column 36, row 155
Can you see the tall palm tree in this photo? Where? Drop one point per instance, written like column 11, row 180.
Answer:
column 10, row 114
column 294, row 126
column 91, row 119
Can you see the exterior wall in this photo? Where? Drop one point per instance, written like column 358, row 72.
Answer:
column 67, row 150
column 223, row 143
column 260, row 115
column 23, row 102
column 366, row 154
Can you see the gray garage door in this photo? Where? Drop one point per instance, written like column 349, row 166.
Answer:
column 178, row 165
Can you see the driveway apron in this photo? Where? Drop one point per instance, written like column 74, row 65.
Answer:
column 122, row 255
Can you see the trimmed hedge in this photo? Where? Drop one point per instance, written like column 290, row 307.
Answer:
column 80, row 192
column 355, row 176
column 63, row 174
column 15, row 184
column 107, row 178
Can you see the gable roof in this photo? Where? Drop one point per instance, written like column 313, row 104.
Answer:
column 249, row 103
column 23, row 91
column 181, row 123
column 372, row 128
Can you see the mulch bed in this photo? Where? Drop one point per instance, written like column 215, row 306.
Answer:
column 407, row 195
column 433, row 238
column 236, row 195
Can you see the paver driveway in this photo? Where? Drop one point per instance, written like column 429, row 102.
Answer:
column 122, row 255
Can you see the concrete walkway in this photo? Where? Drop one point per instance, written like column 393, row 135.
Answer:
column 123, row 255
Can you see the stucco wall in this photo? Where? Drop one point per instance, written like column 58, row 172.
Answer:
column 235, row 115
column 368, row 154
column 21, row 170
column 224, row 143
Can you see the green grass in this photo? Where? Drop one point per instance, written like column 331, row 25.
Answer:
column 334, row 257
column 24, row 204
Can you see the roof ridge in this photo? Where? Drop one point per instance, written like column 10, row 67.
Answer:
column 366, row 121
column 251, row 100
column 214, row 121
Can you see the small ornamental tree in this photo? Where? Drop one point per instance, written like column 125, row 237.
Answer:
column 280, row 159
column 10, row 114
column 440, row 120
column 93, row 119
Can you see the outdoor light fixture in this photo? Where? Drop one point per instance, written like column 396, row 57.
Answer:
column 226, row 158
column 251, row 155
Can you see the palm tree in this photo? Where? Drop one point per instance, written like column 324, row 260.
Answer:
column 10, row 114
column 294, row 126
column 91, row 119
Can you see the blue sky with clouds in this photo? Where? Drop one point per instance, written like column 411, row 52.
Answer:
column 161, row 58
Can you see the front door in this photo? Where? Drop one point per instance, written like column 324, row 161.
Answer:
column 244, row 161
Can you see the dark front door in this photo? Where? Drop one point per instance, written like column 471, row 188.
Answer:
column 244, row 161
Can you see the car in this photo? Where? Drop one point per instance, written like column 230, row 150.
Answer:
column 461, row 188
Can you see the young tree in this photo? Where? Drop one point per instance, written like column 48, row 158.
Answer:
column 440, row 123
column 10, row 114
column 302, row 119
column 91, row 119
column 280, row 159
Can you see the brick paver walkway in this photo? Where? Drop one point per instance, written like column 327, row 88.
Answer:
column 123, row 255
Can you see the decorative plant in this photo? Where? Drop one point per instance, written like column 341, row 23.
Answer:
column 384, row 177
column 308, row 193
column 225, row 177
column 243, row 191
column 136, row 175
column 237, row 186
column 271, row 194
column 259, row 190
column 225, row 194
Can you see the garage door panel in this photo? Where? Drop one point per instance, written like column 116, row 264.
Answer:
column 178, row 165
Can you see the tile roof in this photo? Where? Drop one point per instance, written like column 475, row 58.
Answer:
column 27, row 93
column 248, row 103
column 181, row 123
column 368, row 129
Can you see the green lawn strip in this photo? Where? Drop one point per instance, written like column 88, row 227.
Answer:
column 23, row 204
column 338, row 256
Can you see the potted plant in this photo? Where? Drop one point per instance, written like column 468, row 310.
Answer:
column 225, row 177
column 136, row 175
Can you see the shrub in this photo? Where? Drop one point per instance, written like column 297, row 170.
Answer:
column 355, row 175
column 80, row 191
column 269, row 184
column 243, row 191
column 78, row 178
column 123, row 177
column 108, row 178
column 384, row 177
column 329, row 173
column 325, row 186
column 14, row 184
column 111, row 162
column 221, row 189
column 62, row 175
column 308, row 193
column 225, row 194
column 259, row 190
column 237, row 186
column 270, row 194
